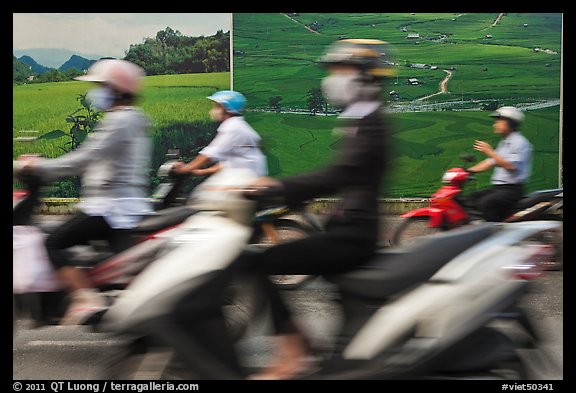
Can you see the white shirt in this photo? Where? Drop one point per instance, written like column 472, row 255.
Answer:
column 237, row 145
column 516, row 149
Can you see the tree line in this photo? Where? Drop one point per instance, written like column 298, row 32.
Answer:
column 169, row 52
column 172, row 53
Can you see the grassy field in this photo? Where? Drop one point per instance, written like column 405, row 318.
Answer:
column 168, row 100
column 176, row 104
column 425, row 144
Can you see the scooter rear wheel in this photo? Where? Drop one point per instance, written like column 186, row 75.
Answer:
column 411, row 229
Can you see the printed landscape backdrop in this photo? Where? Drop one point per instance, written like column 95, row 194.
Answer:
column 489, row 59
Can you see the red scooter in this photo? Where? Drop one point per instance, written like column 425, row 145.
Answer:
column 448, row 209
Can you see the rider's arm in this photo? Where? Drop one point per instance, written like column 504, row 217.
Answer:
column 200, row 161
column 110, row 135
column 206, row 171
column 493, row 156
column 482, row 166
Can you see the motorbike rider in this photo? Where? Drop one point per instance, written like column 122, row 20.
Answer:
column 511, row 161
column 114, row 163
column 236, row 143
column 357, row 72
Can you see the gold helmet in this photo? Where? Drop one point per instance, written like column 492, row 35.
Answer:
column 373, row 57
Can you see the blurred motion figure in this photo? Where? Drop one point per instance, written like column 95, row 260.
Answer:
column 357, row 72
column 236, row 144
column 511, row 161
column 114, row 163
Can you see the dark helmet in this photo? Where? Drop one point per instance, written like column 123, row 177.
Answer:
column 373, row 57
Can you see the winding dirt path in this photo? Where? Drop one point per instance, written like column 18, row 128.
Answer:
column 300, row 23
column 500, row 15
column 443, row 87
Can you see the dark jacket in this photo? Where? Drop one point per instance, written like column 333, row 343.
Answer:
column 357, row 172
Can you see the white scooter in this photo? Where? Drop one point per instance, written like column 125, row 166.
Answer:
column 421, row 312
column 38, row 294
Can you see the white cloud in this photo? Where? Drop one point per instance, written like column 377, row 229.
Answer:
column 106, row 34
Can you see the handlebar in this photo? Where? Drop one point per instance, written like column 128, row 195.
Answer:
column 265, row 195
column 467, row 157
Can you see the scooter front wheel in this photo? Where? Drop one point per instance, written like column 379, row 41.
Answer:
column 412, row 228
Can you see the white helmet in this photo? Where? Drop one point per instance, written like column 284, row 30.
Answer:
column 509, row 112
column 122, row 75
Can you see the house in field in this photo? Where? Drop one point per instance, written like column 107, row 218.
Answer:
column 420, row 66
column 413, row 36
column 413, row 81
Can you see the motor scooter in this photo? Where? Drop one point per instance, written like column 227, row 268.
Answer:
column 448, row 208
column 424, row 311
column 273, row 224
column 109, row 272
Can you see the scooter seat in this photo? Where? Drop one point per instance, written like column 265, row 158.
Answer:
column 537, row 197
column 395, row 269
column 164, row 218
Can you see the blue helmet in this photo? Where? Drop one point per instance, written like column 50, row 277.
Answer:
column 232, row 101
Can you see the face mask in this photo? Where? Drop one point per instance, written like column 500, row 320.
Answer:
column 341, row 90
column 217, row 114
column 101, row 98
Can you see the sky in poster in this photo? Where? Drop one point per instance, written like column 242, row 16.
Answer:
column 106, row 34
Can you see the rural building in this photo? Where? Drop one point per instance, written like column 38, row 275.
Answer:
column 394, row 94
column 488, row 36
column 413, row 81
column 413, row 36
column 420, row 66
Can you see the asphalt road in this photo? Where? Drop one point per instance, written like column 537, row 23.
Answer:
column 76, row 353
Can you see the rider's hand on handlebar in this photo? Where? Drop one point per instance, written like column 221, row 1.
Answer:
column 263, row 187
column 178, row 168
column 265, row 182
column 27, row 163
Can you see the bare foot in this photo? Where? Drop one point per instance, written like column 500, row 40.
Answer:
column 292, row 359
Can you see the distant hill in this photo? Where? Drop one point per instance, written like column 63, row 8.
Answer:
column 77, row 62
column 36, row 68
column 20, row 70
column 53, row 57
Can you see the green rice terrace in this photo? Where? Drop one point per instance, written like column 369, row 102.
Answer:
column 483, row 60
